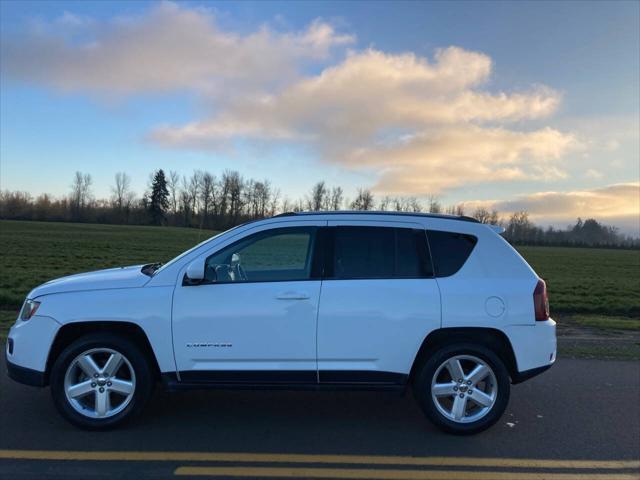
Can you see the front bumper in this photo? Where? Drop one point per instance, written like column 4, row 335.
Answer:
column 24, row 375
column 27, row 349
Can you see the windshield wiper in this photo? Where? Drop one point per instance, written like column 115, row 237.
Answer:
column 150, row 268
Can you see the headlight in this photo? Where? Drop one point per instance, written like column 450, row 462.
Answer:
column 29, row 309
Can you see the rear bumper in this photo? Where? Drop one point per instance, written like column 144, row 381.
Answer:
column 520, row 377
column 534, row 347
column 27, row 376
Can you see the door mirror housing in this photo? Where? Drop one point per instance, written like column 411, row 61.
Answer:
column 195, row 271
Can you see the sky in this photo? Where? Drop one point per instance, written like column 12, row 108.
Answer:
column 506, row 105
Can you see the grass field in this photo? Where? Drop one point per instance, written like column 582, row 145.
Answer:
column 599, row 288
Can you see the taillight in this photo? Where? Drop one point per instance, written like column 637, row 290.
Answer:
column 541, row 301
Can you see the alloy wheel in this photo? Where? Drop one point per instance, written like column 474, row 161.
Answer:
column 99, row 383
column 464, row 388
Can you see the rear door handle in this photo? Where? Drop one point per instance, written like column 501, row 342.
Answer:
column 292, row 296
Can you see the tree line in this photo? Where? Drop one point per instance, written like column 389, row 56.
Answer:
column 204, row 200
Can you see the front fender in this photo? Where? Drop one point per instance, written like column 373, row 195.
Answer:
column 147, row 307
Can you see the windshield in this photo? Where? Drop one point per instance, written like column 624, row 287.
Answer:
column 187, row 252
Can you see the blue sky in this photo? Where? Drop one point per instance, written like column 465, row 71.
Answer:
column 528, row 104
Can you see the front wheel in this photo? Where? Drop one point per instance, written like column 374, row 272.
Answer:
column 100, row 380
column 463, row 389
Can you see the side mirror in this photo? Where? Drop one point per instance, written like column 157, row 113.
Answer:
column 195, row 271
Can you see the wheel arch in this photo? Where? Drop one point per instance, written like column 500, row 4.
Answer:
column 70, row 332
column 491, row 338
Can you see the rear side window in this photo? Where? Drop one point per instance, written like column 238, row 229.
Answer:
column 449, row 251
column 378, row 252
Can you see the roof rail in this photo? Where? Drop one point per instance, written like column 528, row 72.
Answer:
column 462, row 218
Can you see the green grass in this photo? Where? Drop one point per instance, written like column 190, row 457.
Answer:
column 604, row 322
column 33, row 252
column 589, row 280
column 604, row 284
column 609, row 351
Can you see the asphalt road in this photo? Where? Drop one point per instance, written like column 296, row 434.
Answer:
column 586, row 411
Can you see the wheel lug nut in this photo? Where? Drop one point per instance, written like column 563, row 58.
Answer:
column 101, row 389
column 93, row 385
column 468, row 382
column 108, row 384
column 470, row 392
column 95, row 375
column 455, row 389
column 462, row 395
column 459, row 380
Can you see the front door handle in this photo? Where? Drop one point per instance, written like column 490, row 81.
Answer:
column 292, row 296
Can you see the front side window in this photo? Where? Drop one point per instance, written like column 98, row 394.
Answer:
column 378, row 252
column 282, row 254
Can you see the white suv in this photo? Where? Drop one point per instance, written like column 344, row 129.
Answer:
column 306, row 300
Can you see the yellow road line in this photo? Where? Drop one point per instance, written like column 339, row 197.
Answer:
column 143, row 456
column 389, row 474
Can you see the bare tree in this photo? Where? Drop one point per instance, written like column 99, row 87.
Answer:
column 287, row 206
column 194, row 186
column 121, row 190
column 273, row 202
column 232, row 187
column 80, row 193
column 173, row 184
column 485, row 216
column 481, row 214
column 122, row 196
column 262, row 193
column 434, row 204
column 207, row 186
column 336, row 198
column 317, row 197
column 414, row 205
column 519, row 227
column 385, row 203
column 400, row 204
column 363, row 201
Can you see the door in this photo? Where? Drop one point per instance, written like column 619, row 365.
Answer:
column 379, row 301
column 253, row 320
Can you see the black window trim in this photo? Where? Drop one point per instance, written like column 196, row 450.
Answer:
column 424, row 254
column 322, row 251
column 433, row 263
column 311, row 249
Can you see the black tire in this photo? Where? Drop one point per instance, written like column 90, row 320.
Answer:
column 425, row 374
column 144, row 379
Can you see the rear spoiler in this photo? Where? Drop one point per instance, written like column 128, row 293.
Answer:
column 496, row 228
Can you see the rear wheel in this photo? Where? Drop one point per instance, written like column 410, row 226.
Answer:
column 100, row 381
column 463, row 388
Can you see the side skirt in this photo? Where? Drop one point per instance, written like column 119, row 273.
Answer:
column 285, row 380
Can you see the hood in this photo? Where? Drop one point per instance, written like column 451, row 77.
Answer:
column 121, row 277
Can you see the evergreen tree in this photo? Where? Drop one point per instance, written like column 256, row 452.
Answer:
column 159, row 201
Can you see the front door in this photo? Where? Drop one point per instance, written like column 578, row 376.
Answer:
column 253, row 320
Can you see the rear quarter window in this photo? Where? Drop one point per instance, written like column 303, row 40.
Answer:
column 449, row 251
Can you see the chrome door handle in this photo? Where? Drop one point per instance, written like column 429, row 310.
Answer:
column 292, row 296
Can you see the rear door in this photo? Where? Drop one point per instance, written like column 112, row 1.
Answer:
column 379, row 300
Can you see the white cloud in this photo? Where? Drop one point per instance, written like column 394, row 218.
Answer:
column 593, row 173
column 420, row 125
column 617, row 204
column 170, row 48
